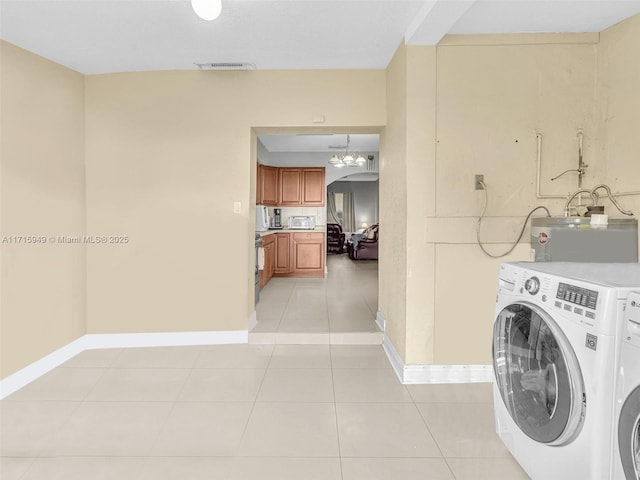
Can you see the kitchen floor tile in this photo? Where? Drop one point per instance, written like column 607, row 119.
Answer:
column 234, row 356
column 202, row 429
column 26, row 427
column 395, row 468
column 353, row 324
column 222, row 385
column 368, row 385
column 464, row 430
column 383, row 430
column 285, row 468
column 343, row 302
column 291, row 430
column 304, row 323
column 297, row 385
column 109, row 429
column 187, row 468
column 60, row 384
column 361, row 356
column 83, row 468
column 158, row 357
column 137, row 385
column 301, row 356
column 452, row 393
column 14, row 468
column 96, row 358
column 486, row 468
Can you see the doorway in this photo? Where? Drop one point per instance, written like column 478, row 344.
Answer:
column 340, row 307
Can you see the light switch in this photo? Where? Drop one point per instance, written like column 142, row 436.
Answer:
column 237, row 207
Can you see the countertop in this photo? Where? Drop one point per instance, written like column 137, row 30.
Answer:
column 321, row 229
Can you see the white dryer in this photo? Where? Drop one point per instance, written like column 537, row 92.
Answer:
column 626, row 451
column 554, row 351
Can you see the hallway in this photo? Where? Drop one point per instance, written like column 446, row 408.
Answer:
column 340, row 308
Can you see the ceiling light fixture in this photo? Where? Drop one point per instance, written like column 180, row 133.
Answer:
column 207, row 9
column 347, row 159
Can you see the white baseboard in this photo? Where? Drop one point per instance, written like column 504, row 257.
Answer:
column 423, row 374
column 38, row 368
column 253, row 321
column 381, row 320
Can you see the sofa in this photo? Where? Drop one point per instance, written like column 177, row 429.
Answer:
column 364, row 246
column 335, row 238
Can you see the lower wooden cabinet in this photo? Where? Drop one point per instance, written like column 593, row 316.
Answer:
column 308, row 250
column 293, row 255
column 283, row 254
column 269, row 245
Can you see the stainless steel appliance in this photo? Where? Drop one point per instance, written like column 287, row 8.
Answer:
column 302, row 222
column 277, row 218
column 262, row 218
column 579, row 239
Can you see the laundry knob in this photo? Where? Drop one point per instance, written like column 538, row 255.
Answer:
column 532, row 285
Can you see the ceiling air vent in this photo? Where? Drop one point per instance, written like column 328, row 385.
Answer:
column 227, row 66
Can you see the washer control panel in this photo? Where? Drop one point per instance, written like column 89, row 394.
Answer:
column 577, row 295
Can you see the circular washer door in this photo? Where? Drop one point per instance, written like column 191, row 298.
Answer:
column 629, row 435
column 538, row 374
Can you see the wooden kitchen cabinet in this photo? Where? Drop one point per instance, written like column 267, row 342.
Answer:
column 290, row 188
column 269, row 245
column 301, row 187
column 307, row 254
column 313, row 187
column 283, row 254
column 267, row 185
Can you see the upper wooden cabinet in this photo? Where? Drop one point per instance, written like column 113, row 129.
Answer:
column 290, row 186
column 267, row 185
column 302, row 187
column 313, row 187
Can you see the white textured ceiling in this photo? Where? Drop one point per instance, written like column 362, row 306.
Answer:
column 333, row 143
column 104, row 36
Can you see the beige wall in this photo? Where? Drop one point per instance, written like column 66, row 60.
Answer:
column 392, row 273
column 167, row 156
column 473, row 105
column 42, row 193
column 619, row 108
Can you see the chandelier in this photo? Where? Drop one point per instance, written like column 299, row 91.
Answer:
column 347, row 159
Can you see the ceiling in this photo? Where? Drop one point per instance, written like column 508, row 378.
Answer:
column 335, row 143
column 105, row 36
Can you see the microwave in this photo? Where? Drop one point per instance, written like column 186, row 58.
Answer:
column 262, row 218
column 302, row 222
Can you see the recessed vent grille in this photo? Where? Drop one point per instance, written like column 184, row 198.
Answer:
column 226, row 66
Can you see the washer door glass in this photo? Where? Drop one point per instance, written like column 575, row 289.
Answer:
column 538, row 375
column 629, row 436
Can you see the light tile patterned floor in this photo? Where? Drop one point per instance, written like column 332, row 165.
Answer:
column 340, row 308
column 285, row 412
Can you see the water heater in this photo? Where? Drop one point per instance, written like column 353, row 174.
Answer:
column 579, row 239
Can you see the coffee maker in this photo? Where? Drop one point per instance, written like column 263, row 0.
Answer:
column 277, row 218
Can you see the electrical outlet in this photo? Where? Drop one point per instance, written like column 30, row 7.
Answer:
column 479, row 182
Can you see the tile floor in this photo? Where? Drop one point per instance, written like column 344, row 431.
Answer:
column 285, row 412
column 340, row 308
column 267, row 410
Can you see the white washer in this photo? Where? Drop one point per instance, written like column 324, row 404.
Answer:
column 555, row 355
column 626, row 450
